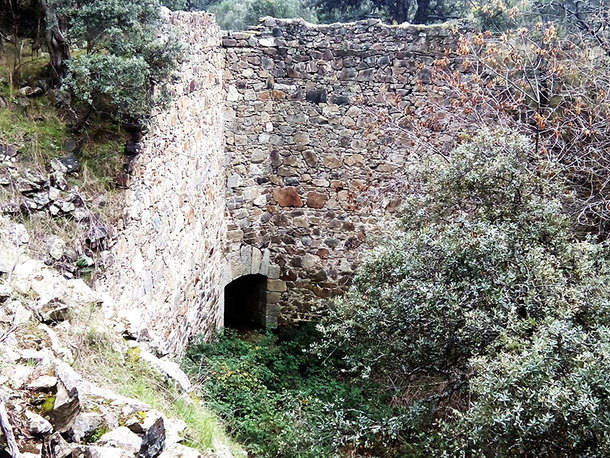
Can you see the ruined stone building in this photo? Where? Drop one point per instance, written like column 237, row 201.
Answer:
column 246, row 204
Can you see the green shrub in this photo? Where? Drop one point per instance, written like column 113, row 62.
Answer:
column 101, row 81
column 472, row 286
column 482, row 242
column 549, row 396
column 118, row 57
column 281, row 400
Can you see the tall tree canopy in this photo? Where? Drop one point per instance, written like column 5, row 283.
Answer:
column 414, row 11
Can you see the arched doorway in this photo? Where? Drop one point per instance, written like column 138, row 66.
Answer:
column 245, row 302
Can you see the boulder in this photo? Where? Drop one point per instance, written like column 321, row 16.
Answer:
column 9, row 257
column 122, row 438
column 37, row 425
column 66, row 408
column 84, row 425
column 167, row 368
column 55, row 446
column 35, row 357
column 19, row 375
column 180, row 451
column 100, row 452
column 44, row 383
column 140, row 422
column 153, row 440
column 56, row 247
column 174, row 429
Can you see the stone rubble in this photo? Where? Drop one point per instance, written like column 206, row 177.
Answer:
column 49, row 194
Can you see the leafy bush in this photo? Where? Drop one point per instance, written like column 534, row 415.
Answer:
column 281, row 400
column 549, row 396
column 100, row 80
column 121, row 58
column 462, row 310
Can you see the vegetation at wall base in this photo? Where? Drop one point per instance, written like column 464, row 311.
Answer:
column 280, row 399
column 479, row 326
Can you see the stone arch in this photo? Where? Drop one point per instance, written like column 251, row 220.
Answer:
column 246, row 302
column 249, row 261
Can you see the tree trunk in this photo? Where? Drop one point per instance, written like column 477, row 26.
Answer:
column 59, row 50
column 422, row 13
column 401, row 11
column 59, row 53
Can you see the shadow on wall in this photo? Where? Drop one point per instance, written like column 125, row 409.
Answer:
column 245, row 303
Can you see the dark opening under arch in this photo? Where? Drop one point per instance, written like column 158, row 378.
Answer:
column 245, row 302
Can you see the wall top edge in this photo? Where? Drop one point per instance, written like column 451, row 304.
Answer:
column 268, row 23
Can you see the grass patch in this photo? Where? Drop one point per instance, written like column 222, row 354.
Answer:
column 202, row 426
column 37, row 129
column 126, row 374
column 40, row 131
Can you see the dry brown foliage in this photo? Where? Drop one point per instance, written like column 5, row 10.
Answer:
column 553, row 87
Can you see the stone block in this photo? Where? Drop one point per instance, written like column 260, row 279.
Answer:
column 274, row 272
column 316, row 199
column 287, row 197
column 273, row 297
column 310, row 260
column 276, row 285
column 332, row 162
column 255, row 264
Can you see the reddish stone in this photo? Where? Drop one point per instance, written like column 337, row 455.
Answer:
column 323, row 253
column 271, row 95
column 360, row 185
column 287, row 197
column 347, row 226
column 289, row 276
column 337, row 185
column 316, row 199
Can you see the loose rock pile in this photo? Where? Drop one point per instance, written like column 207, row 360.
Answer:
column 36, row 191
column 32, row 192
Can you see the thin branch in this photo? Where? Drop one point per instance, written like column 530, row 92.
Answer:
column 7, row 429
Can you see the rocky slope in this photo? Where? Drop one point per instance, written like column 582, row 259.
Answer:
column 56, row 339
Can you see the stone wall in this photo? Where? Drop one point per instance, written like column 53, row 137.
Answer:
column 275, row 159
column 169, row 268
column 315, row 120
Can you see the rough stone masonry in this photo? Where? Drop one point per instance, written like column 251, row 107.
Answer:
column 263, row 165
